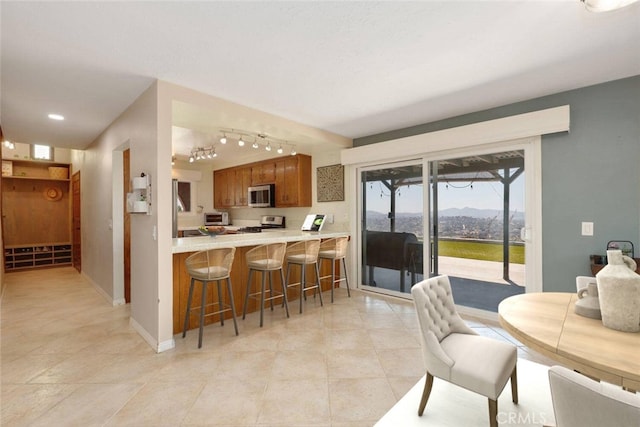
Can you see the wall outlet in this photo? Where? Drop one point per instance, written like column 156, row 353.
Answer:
column 587, row 229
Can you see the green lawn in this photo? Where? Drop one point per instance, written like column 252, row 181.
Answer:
column 481, row 251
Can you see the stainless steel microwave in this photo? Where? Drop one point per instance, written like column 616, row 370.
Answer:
column 216, row 218
column 262, row 196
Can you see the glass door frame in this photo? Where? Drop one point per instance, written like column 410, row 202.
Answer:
column 360, row 218
column 533, row 203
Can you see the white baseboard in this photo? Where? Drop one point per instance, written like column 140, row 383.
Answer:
column 159, row 347
column 99, row 289
column 113, row 302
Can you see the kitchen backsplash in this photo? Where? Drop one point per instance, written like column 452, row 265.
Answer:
column 251, row 216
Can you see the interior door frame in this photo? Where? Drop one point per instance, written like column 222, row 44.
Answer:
column 117, row 221
column 76, row 221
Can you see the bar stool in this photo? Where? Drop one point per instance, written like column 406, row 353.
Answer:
column 266, row 259
column 208, row 266
column 302, row 254
column 335, row 250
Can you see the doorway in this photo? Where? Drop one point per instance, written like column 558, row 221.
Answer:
column 477, row 208
column 76, row 225
column 392, row 226
column 472, row 222
column 126, row 220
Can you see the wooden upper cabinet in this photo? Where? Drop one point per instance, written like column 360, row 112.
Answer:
column 223, row 188
column 263, row 173
column 293, row 181
column 291, row 175
column 242, row 183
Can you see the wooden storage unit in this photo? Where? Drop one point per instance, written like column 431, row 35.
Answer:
column 290, row 174
column 21, row 257
column 36, row 206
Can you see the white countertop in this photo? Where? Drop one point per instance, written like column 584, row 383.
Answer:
column 200, row 243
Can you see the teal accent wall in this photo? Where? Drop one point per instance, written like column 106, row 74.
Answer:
column 591, row 173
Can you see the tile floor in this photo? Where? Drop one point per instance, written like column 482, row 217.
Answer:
column 71, row 359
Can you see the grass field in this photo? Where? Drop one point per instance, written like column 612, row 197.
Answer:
column 483, row 251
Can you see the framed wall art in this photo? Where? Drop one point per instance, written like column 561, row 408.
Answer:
column 330, row 181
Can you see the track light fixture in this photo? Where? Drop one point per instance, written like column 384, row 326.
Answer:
column 259, row 140
column 202, row 153
column 242, row 137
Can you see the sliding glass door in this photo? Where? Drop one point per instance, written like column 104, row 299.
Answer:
column 392, row 226
column 477, row 208
column 473, row 230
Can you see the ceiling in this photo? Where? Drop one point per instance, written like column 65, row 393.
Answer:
column 351, row 68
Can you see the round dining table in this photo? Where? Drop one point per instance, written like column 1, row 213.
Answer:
column 547, row 323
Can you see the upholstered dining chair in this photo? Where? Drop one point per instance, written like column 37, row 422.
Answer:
column 456, row 353
column 579, row 401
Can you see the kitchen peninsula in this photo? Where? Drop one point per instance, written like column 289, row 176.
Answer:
column 183, row 247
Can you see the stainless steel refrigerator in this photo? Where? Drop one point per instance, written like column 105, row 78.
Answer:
column 174, row 207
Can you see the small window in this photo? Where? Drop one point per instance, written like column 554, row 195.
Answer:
column 41, row 152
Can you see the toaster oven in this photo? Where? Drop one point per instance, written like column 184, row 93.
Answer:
column 216, row 218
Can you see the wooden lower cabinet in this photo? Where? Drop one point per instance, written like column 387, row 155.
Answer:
column 239, row 275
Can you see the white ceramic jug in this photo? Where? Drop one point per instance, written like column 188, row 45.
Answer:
column 619, row 293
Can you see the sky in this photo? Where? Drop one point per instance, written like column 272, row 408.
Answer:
column 483, row 195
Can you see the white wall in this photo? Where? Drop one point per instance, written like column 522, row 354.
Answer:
column 138, row 126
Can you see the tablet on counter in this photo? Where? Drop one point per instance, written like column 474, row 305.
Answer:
column 313, row 222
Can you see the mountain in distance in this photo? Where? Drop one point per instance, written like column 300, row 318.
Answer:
column 452, row 212
column 478, row 213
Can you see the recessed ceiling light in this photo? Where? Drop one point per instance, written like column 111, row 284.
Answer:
column 53, row 116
